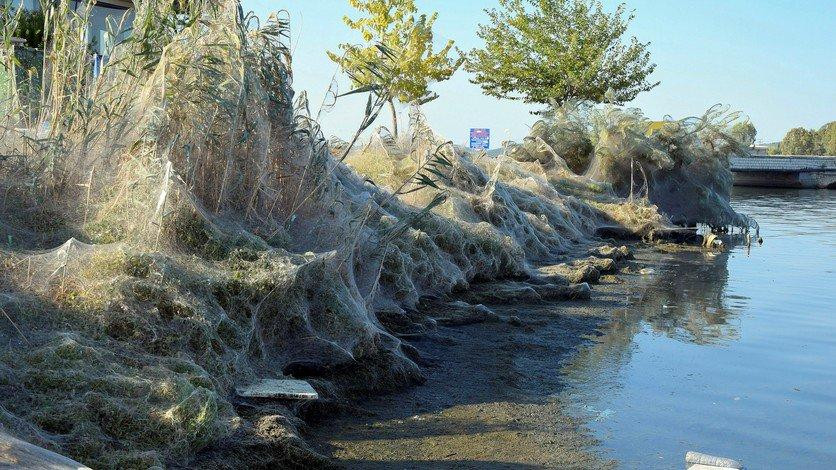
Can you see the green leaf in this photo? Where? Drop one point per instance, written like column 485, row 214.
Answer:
column 361, row 89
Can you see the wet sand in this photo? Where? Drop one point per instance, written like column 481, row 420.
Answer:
column 490, row 399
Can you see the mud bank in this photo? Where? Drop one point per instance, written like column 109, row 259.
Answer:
column 490, row 399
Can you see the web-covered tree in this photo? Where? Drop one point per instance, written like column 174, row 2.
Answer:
column 408, row 40
column 551, row 51
column 744, row 132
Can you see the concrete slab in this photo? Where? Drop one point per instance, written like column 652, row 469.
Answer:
column 286, row 389
column 700, row 461
column 15, row 453
column 699, row 466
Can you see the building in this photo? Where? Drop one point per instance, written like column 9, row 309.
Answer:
column 102, row 9
column 763, row 149
column 107, row 18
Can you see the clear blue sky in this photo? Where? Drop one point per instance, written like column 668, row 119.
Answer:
column 775, row 60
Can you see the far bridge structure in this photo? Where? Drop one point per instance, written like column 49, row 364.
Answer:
column 785, row 171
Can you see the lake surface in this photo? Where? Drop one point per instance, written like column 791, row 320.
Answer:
column 732, row 355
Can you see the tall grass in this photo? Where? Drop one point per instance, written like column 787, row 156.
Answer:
column 197, row 84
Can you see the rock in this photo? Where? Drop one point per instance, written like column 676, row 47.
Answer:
column 603, row 265
column 15, row 453
column 580, row 291
column 287, row 389
column 512, row 292
column 553, row 274
column 647, row 271
column 586, row 273
column 575, row 273
column 502, row 293
column 609, row 251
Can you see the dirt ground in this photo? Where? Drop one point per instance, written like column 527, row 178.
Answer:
column 490, row 399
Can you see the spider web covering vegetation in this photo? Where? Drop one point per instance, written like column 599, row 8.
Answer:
column 679, row 166
column 178, row 226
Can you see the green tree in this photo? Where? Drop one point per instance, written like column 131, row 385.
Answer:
column 551, row 51
column 407, row 40
column 800, row 141
column 744, row 132
column 827, row 138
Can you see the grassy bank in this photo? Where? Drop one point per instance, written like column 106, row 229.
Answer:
column 178, row 226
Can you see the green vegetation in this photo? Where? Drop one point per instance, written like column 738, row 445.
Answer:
column 827, row 138
column 551, row 51
column 801, row 141
column 391, row 29
column 26, row 25
column 744, row 132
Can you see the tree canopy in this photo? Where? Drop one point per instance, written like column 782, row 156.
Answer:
column 801, row 141
column 827, row 138
column 407, row 40
column 551, row 51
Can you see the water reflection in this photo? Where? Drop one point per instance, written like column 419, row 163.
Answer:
column 690, row 302
column 686, row 301
column 731, row 355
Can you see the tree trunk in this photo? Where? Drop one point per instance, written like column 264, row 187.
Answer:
column 394, row 118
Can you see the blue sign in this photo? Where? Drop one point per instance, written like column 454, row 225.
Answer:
column 480, row 139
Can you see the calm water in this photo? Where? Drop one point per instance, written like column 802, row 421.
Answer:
column 733, row 355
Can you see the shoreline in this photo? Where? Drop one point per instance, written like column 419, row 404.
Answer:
column 490, row 398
